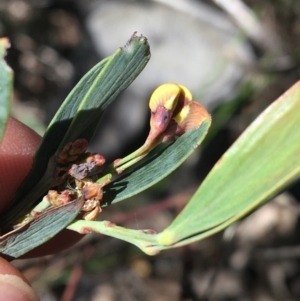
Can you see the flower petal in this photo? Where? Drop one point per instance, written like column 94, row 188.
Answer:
column 184, row 99
column 191, row 117
column 165, row 95
column 187, row 94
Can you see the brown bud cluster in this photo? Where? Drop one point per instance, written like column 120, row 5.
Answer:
column 93, row 194
column 97, row 159
column 58, row 199
column 75, row 161
column 71, row 151
column 81, row 170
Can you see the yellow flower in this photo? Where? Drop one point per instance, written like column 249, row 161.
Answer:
column 162, row 104
column 173, row 113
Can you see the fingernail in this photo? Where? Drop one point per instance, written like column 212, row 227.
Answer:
column 13, row 288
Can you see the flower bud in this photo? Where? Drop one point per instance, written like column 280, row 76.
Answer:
column 59, row 199
column 98, row 159
column 78, row 147
column 71, row 151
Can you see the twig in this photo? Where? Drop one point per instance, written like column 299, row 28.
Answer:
column 70, row 289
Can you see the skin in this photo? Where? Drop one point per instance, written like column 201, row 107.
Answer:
column 16, row 152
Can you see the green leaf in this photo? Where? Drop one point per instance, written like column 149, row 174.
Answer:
column 155, row 166
column 6, row 80
column 78, row 118
column 39, row 230
column 260, row 164
column 143, row 239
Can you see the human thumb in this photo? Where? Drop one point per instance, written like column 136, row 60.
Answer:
column 13, row 285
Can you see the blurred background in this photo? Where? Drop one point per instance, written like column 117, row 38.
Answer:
column 236, row 57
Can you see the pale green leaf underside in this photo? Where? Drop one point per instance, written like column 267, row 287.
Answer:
column 39, row 230
column 262, row 162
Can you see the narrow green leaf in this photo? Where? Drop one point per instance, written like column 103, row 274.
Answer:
column 78, row 118
column 260, row 164
column 118, row 73
column 38, row 231
column 6, row 79
column 155, row 166
column 143, row 239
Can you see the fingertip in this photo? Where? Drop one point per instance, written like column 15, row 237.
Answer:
column 16, row 153
column 13, row 285
column 19, row 139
